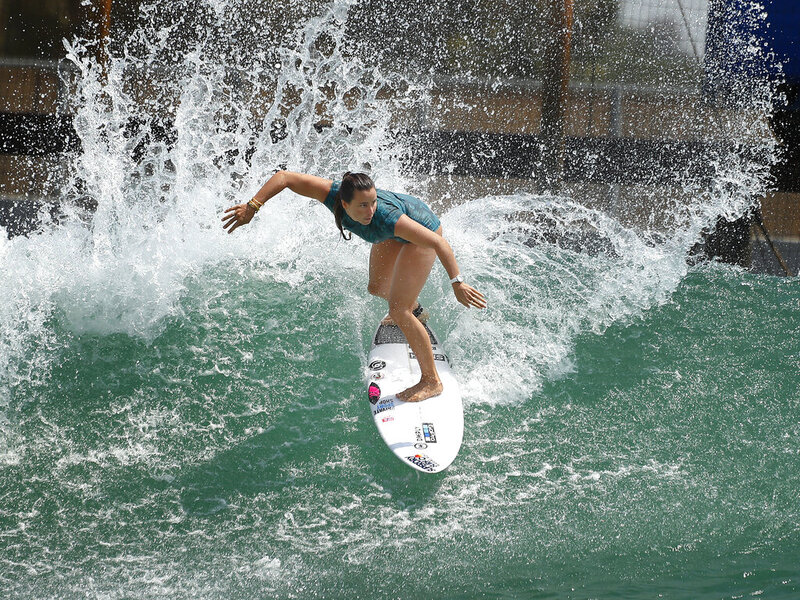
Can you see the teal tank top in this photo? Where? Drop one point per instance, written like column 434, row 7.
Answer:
column 390, row 207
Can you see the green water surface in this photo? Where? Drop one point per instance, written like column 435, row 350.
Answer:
column 233, row 456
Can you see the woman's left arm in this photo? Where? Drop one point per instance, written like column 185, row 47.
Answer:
column 408, row 229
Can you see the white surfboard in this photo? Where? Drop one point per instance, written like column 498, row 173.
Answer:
column 424, row 435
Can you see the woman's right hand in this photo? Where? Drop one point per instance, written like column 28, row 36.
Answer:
column 468, row 295
column 238, row 215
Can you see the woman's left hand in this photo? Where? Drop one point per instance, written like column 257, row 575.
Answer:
column 468, row 295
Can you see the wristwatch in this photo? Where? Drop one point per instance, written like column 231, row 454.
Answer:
column 457, row 279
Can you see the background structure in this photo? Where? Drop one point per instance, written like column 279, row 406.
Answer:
column 520, row 92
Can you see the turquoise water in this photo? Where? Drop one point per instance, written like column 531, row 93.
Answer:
column 182, row 413
column 233, row 456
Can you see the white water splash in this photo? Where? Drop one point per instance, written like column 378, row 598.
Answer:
column 551, row 268
column 122, row 268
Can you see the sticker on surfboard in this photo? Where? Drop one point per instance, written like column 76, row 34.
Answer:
column 374, row 393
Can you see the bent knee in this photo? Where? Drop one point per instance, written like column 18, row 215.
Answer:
column 398, row 312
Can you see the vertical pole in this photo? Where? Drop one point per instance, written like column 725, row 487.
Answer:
column 615, row 132
column 555, row 82
column 105, row 24
column 105, row 30
column 4, row 13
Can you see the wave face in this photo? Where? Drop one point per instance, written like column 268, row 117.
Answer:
column 181, row 413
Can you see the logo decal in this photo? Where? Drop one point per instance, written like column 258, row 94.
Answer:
column 377, row 365
column 439, row 357
column 425, row 434
column 423, row 462
column 387, row 419
column 374, row 393
column 420, row 446
column 383, row 405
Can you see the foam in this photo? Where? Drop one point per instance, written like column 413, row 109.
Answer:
column 153, row 259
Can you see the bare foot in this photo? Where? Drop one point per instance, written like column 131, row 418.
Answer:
column 421, row 391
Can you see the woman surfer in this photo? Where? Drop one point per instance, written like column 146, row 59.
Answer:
column 406, row 238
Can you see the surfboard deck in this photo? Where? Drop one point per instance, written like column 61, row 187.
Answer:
column 424, row 435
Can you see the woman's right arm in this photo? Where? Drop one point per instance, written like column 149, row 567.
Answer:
column 300, row 183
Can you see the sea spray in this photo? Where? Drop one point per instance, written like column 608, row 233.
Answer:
column 315, row 105
column 157, row 200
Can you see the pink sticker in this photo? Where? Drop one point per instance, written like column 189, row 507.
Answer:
column 374, row 393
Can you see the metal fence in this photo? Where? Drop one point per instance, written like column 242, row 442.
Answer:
column 684, row 20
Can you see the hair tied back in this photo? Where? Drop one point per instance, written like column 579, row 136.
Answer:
column 350, row 183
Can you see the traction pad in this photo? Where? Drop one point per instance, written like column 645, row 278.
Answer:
column 391, row 334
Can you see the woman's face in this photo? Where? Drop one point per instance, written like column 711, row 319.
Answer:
column 362, row 207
